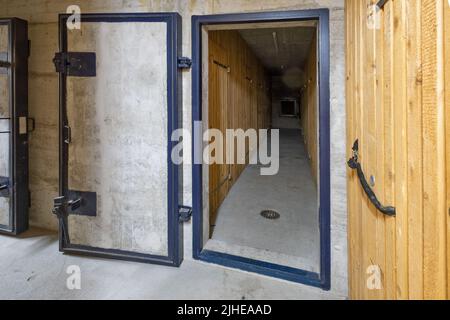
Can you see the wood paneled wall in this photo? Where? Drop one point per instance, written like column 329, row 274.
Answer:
column 398, row 98
column 239, row 98
column 308, row 109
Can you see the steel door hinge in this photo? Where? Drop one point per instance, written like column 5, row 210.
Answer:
column 184, row 63
column 76, row 64
column 185, row 213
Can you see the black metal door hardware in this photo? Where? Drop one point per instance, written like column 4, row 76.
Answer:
column 184, row 63
column 76, row 64
column 185, row 213
column 4, row 187
column 61, row 207
column 14, row 126
column 354, row 164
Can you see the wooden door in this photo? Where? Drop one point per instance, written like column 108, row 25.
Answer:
column 396, row 109
column 218, row 115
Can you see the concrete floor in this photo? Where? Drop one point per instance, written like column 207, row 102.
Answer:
column 32, row 268
column 294, row 239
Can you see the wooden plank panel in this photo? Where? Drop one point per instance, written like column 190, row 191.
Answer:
column 414, row 142
column 400, row 154
column 389, row 276
column 447, row 115
column 380, row 151
column 368, row 146
column 233, row 103
column 361, row 273
column 435, row 273
column 396, row 106
column 349, row 62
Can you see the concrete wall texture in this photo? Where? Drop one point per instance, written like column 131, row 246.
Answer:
column 118, row 119
column 42, row 16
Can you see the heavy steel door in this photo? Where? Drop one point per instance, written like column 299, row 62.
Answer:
column 14, row 194
column 120, row 93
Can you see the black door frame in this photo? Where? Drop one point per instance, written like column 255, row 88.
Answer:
column 322, row 279
column 17, row 71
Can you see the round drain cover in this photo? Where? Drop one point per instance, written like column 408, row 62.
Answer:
column 270, row 214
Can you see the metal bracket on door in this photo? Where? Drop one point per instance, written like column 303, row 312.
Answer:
column 354, row 164
column 83, row 204
column 184, row 63
column 4, row 63
column 185, row 213
column 4, row 187
column 381, row 4
column 61, row 211
column 76, row 64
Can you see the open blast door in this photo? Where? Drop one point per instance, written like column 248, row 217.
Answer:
column 120, row 95
column 14, row 194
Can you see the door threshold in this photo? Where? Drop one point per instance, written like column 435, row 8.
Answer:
column 264, row 268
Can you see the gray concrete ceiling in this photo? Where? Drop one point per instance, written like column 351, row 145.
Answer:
column 287, row 50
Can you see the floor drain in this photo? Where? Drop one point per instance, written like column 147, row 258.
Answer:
column 270, row 214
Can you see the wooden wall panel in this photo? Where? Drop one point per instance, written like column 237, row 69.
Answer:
column 447, row 125
column 415, row 148
column 389, row 273
column 434, row 150
column 397, row 74
column 239, row 98
column 308, row 109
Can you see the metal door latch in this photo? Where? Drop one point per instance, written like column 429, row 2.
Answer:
column 4, row 63
column 184, row 63
column 76, row 64
column 61, row 210
column 61, row 206
column 185, row 213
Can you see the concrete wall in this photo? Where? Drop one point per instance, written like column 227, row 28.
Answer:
column 43, row 82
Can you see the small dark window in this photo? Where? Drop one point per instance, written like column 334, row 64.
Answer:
column 288, row 108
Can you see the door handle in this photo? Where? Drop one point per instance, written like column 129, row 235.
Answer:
column 3, row 187
column 354, row 164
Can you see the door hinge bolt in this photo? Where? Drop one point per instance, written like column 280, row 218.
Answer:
column 184, row 63
column 185, row 213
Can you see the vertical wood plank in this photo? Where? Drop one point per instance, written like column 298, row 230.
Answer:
column 400, row 155
column 435, row 273
column 414, row 142
column 379, row 142
column 368, row 147
column 447, row 125
column 389, row 275
column 349, row 60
